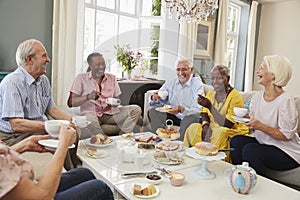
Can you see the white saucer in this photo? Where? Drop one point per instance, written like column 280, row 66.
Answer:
column 114, row 104
column 240, row 119
column 163, row 109
column 98, row 154
column 51, row 144
column 82, row 126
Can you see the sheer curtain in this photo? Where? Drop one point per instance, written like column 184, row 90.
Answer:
column 250, row 47
column 64, row 48
column 186, row 45
column 221, row 34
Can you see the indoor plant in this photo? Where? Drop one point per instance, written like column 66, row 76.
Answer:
column 129, row 59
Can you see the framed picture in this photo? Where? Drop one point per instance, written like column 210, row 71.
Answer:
column 204, row 37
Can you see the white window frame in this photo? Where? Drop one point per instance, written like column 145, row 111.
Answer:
column 234, row 36
column 81, row 60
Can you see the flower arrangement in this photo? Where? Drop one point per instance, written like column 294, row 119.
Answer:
column 128, row 58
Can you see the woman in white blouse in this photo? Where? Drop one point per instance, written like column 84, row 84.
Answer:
column 274, row 119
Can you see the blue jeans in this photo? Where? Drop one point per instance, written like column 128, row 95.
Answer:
column 81, row 184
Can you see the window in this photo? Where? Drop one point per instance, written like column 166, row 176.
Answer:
column 234, row 15
column 237, row 30
column 134, row 22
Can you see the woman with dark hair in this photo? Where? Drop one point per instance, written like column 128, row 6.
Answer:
column 217, row 125
column 274, row 119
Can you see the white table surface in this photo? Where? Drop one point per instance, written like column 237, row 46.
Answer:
column 214, row 189
column 110, row 168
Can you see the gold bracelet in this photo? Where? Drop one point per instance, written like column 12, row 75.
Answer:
column 205, row 123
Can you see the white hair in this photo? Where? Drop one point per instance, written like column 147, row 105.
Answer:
column 281, row 67
column 183, row 60
column 24, row 49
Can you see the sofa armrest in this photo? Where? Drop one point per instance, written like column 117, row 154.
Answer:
column 146, row 105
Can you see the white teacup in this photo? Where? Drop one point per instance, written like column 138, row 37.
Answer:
column 240, row 112
column 139, row 161
column 80, row 121
column 163, row 94
column 53, row 127
column 113, row 101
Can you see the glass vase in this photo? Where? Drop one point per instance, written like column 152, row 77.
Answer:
column 129, row 75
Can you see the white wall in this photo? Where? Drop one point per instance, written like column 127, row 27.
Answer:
column 279, row 33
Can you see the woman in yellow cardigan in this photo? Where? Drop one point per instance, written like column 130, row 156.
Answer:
column 217, row 125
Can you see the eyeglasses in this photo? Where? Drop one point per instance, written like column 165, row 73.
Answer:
column 182, row 69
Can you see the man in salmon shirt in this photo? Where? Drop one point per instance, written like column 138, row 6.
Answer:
column 90, row 91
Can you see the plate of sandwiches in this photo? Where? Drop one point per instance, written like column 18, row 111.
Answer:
column 99, row 140
column 144, row 191
column 145, row 137
column 163, row 158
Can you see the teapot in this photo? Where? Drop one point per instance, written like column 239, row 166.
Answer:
column 129, row 153
column 242, row 178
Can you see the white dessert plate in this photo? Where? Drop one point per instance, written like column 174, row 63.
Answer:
column 169, row 144
column 170, row 162
column 51, row 144
column 191, row 153
column 114, row 104
column 162, row 109
column 127, row 135
column 145, row 135
column 98, row 154
column 240, row 119
column 87, row 141
column 143, row 196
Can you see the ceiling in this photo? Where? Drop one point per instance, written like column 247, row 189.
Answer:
column 270, row 1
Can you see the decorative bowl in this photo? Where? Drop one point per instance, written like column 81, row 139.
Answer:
column 177, row 179
column 154, row 179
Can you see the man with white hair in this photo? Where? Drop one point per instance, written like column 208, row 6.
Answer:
column 26, row 97
column 182, row 97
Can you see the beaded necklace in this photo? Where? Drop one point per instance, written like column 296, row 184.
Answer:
column 220, row 105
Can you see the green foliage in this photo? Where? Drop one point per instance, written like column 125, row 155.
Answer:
column 127, row 58
column 156, row 7
column 154, row 49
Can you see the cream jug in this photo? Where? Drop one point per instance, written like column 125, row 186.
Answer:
column 242, row 178
column 129, row 153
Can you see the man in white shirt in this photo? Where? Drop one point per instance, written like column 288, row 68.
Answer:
column 182, row 96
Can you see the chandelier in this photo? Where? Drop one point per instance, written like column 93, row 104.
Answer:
column 191, row 10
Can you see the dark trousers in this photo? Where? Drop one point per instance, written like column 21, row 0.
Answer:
column 158, row 120
column 259, row 156
column 80, row 183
